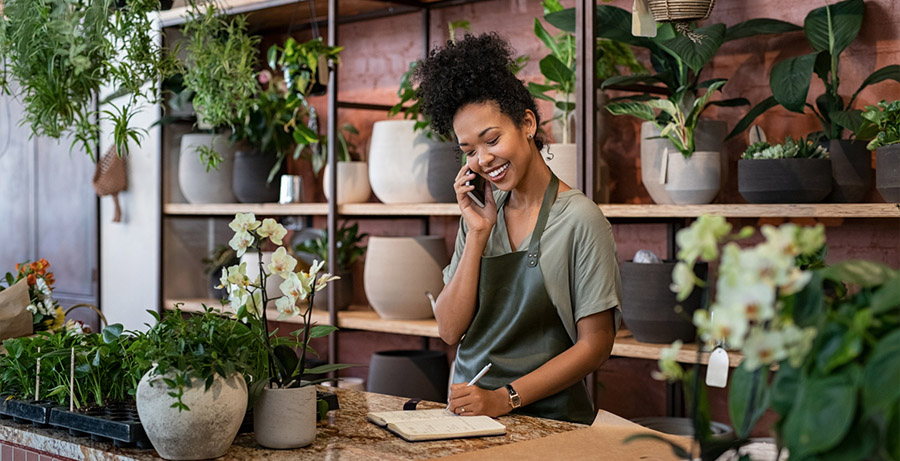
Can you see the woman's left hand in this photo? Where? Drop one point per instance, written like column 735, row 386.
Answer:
column 468, row 400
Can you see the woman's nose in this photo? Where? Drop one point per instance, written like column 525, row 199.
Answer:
column 485, row 159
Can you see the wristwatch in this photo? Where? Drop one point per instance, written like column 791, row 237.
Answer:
column 514, row 400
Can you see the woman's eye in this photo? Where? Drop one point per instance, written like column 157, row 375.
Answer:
column 469, row 153
column 493, row 141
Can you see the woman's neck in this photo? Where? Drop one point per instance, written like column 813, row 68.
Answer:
column 529, row 192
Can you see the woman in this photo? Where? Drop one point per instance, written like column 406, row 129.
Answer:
column 533, row 286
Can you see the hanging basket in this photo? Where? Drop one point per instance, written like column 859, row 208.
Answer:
column 681, row 10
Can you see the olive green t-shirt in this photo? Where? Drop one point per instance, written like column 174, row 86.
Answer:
column 578, row 257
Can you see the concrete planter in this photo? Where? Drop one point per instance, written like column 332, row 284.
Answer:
column 695, row 180
column 888, row 172
column 398, row 272
column 709, row 136
column 199, row 185
column 851, row 171
column 648, row 304
column 352, row 182
column 251, row 170
column 206, row 431
column 784, row 180
column 285, row 418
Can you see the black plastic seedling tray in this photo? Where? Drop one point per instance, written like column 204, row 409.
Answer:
column 117, row 423
column 29, row 411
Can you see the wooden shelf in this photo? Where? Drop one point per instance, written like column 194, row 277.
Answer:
column 797, row 210
column 364, row 318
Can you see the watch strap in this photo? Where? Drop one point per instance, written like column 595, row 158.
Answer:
column 514, row 400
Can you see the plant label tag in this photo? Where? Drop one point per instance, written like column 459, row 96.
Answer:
column 756, row 134
column 717, row 369
column 642, row 22
column 664, row 166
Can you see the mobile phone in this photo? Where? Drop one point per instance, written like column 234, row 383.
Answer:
column 477, row 194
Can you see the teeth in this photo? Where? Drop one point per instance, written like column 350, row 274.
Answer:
column 503, row 168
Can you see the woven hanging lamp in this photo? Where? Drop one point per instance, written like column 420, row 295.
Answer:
column 681, row 13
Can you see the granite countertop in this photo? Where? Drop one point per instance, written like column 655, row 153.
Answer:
column 346, row 434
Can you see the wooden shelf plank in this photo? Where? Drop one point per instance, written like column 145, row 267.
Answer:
column 792, row 210
column 627, row 346
column 400, row 209
column 261, row 209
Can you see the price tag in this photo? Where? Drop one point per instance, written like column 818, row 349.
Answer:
column 717, row 369
column 642, row 22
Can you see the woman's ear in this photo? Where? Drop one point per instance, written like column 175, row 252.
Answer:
column 529, row 123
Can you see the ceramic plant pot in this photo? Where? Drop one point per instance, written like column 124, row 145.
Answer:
column 285, row 418
column 425, row 374
column 199, row 185
column 648, row 305
column 343, row 289
column 887, row 162
column 407, row 167
column 251, row 170
column 206, row 431
column 563, row 161
column 709, row 136
column 272, row 281
column 851, row 171
column 398, row 272
column 784, row 180
column 682, row 426
column 352, row 182
column 695, row 180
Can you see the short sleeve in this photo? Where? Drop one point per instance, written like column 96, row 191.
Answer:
column 595, row 283
column 457, row 252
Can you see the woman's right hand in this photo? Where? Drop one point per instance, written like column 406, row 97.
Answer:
column 478, row 219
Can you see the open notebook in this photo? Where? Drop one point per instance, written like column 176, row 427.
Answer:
column 419, row 425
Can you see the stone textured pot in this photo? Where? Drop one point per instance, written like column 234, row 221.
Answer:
column 206, row 431
column 785, row 180
column 648, row 305
column 851, row 171
column 709, row 136
column 563, row 161
column 407, row 167
column 695, row 180
column 425, row 374
column 272, row 281
column 285, row 418
column 199, row 185
column 398, row 272
column 887, row 162
column 343, row 289
column 352, row 182
column 251, row 170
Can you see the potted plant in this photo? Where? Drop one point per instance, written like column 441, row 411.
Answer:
column 192, row 400
column 690, row 176
column 830, row 30
column 222, row 95
column 107, row 48
column 352, row 170
column 885, row 119
column 348, row 249
column 284, row 415
column 795, row 171
column 832, row 331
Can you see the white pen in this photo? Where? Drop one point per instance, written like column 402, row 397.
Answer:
column 475, row 379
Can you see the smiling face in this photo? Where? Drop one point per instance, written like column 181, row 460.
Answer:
column 495, row 147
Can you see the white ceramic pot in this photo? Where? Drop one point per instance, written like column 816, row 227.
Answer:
column 352, row 182
column 709, row 136
column 272, row 281
column 285, row 418
column 199, row 185
column 407, row 167
column 563, row 161
column 695, row 180
column 398, row 272
column 206, row 431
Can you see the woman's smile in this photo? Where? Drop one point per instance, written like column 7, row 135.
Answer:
column 497, row 174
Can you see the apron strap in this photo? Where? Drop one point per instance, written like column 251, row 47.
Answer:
column 534, row 246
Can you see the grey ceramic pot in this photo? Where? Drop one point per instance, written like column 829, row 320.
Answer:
column 648, row 305
column 887, row 161
column 251, row 169
column 785, row 180
column 410, row 373
column 851, row 171
column 682, row 426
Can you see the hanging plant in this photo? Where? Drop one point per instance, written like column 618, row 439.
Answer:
column 60, row 53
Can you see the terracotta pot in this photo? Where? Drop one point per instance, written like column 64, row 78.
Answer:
column 206, row 431
column 851, row 171
column 398, row 272
column 888, row 172
column 425, row 374
column 199, row 185
column 251, row 172
column 352, row 182
column 784, row 180
column 709, row 136
column 694, row 180
column 648, row 304
column 285, row 418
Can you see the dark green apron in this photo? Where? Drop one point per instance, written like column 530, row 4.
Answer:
column 517, row 329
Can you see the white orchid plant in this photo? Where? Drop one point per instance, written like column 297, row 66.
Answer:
column 249, row 300
column 831, row 330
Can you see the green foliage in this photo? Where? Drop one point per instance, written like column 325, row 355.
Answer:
column 348, row 245
column 884, row 120
column 829, row 29
column 221, row 256
column 301, row 64
column 790, row 148
column 346, row 150
column 60, row 53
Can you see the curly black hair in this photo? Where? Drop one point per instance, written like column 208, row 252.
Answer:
column 472, row 70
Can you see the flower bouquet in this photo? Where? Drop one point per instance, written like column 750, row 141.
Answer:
column 45, row 311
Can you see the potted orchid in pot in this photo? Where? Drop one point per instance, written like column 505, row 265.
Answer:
column 284, row 414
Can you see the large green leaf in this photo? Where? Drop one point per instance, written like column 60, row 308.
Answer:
column 610, row 22
column 785, row 387
column 622, row 80
column 790, row 81
column 756, row 111
column 891, row 72
column 545, row 37
column 731, row 102
column 886, row 297
column 809, row 303
column 860, row 272
column 759, row 26
column 881, row 378
column 637, row 109
column 556, row 71
column 857, row 445
column 846, row 20
column 821, row 417
column 563, row 20
column 700, row 103
column 748, row 398
column 697, row 54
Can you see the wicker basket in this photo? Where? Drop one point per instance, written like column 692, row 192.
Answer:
column 680, row 10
